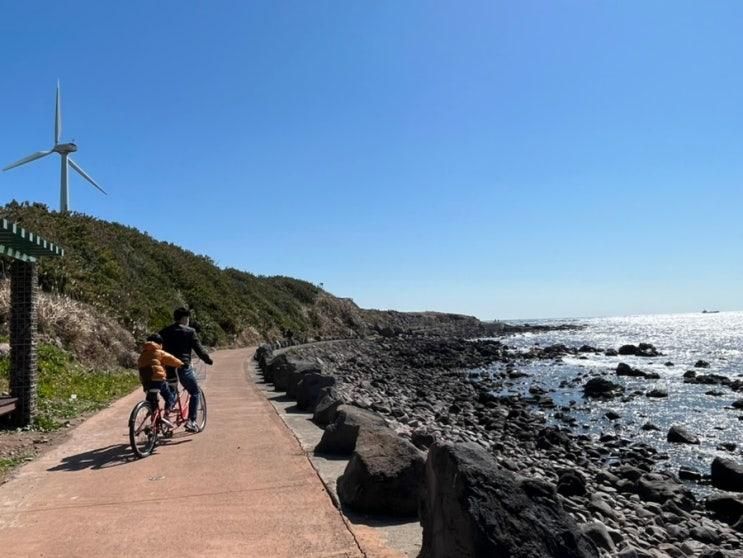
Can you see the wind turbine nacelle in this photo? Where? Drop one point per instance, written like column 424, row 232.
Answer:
column 65, row 148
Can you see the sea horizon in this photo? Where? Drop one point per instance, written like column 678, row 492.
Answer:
column 605, row 316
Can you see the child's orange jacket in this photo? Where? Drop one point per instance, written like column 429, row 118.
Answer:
column 153, row 360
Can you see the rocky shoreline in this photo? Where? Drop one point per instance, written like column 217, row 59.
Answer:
column 427, row 389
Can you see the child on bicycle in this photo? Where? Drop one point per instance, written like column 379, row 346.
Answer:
column 151, row 363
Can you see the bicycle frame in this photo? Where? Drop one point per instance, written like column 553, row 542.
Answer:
column 179, row 414
column 155, row 426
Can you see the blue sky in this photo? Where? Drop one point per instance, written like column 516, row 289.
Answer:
column 520, row 159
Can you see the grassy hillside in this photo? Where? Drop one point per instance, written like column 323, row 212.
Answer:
column 139, row 281
column 67, row 389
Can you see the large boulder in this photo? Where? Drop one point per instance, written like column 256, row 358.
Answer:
column 601, row 387
column 571, row 483
column 551, row 437
column 326, row 408
column 384, row 475
column 422, row 438
column 275, row 365
column 599, row 534
column 271, row 363
column 628, row 350
column 288, row 367
column 727, row 507
column 647, row 350
column 707, row 379
column 309, row 388
column 727, row 474
column 263, row 355
column 678, row 434
column 643, row 350
column 624, row 369
column 473, row 508
column 302, row 368
column 660, row 488
column 389, row 331
column 340, row 437
column 292, row 380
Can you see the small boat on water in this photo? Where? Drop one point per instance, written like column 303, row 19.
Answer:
column 710, row 311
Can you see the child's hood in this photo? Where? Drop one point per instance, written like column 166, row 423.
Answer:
column 151, row 347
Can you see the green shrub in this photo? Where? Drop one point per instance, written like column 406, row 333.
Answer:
column 8, row 463
column 140, row 280
column 67, row 390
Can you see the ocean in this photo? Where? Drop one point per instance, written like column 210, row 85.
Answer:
column 683, row 339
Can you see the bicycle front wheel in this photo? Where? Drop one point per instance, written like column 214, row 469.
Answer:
column 142, row 430
column 201, row 411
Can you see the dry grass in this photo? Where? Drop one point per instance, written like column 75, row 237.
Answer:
column 94, row 338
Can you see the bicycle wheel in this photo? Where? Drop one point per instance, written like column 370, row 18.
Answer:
column 142, row 431
column 201, row 411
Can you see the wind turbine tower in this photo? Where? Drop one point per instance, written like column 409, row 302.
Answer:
column 64, row 150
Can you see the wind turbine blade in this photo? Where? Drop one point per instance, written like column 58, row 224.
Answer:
column 82, row 173
column 37, row 155
column 57, row 118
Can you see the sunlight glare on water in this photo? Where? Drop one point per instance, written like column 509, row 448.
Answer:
column 683, row 339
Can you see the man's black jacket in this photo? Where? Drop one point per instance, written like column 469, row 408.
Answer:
column 179, row 340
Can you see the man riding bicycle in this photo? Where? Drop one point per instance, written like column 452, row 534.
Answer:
column 179, row 340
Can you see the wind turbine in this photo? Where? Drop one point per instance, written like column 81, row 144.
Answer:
column 64, row 150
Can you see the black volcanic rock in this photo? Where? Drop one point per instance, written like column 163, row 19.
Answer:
column 263, row 355
column 443, row 389
column 624, row 369
column 728, row 507
column 384, row 475
column 680, row 435
column 642, row 350
column 326, row 408
column 601, row 387
column 727, row 474
column 689, row 474
column 284, row 367
column 310, row 388
column 647, row 350
column 627, row 350
column 706, row 379
column 656, row 487
column 571, row 483
column 340, row 437
column 473, row 508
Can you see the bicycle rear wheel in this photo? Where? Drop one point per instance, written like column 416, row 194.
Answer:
column 201, row 411
column 142, row 430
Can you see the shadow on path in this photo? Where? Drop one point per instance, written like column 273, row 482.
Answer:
column 295, row 410
column 279, row 397
column 101, row 458
column 105, row 458
column 375, row 520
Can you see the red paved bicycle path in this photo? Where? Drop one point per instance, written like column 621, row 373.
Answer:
column 243, row 487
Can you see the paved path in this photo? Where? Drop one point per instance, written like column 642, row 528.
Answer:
column 243, row 487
